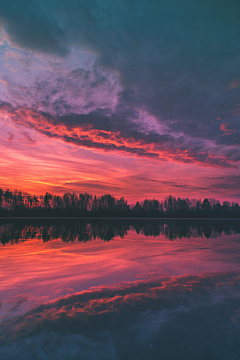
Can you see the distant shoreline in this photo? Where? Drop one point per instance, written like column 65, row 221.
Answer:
column 110, row 218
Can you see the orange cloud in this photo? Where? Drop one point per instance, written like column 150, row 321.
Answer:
column 3, row 82
column 235, row 83
column 236, row 112
column 226, row 131
column 58, row 159
column 87, row 137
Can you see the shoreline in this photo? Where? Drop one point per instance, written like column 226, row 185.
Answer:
column 110, row 218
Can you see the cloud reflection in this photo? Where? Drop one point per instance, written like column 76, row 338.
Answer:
column 134, row 321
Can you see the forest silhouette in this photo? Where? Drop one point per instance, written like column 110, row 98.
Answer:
column 18, row 203
column 17, row 231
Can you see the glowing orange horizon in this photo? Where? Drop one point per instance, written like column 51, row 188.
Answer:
column 39, row 156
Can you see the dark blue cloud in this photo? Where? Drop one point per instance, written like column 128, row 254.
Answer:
column 176, row 59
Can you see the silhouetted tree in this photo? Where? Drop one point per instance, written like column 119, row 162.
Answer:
column 47, row 198
column 35, row 201
column 1, row 197
column 137, row 208
column 57, row 202
column 121, row 205
column 67, row 200
column 206, row 207
column 8, row 199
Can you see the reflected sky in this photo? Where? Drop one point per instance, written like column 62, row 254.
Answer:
column 34, row 272
column 130, row 296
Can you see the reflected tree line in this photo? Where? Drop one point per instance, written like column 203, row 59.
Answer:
column 70, row 231
column 18, row 203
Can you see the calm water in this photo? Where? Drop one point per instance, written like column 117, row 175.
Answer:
column 120, row 290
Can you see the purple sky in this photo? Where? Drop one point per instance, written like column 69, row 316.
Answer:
column 137, row 99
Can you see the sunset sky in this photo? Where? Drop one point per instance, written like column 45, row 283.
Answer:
column 132, row 98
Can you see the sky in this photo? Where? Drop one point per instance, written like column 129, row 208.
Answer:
column 139, row 99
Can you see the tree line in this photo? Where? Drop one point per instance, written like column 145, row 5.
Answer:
column 19, row 203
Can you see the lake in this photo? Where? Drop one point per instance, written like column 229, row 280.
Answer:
column 120, row 289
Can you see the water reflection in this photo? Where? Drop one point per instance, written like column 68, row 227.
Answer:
column 184, row 318
column 69, row 231
column 138, row 297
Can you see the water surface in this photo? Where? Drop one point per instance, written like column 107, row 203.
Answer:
column 120, row 290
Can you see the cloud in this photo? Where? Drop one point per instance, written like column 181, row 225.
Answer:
column 227, row 182
column 148, row 79
column 27, row 138
column 29, row 25
column 10, row 138
column 234, row 84
column 99, row 132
